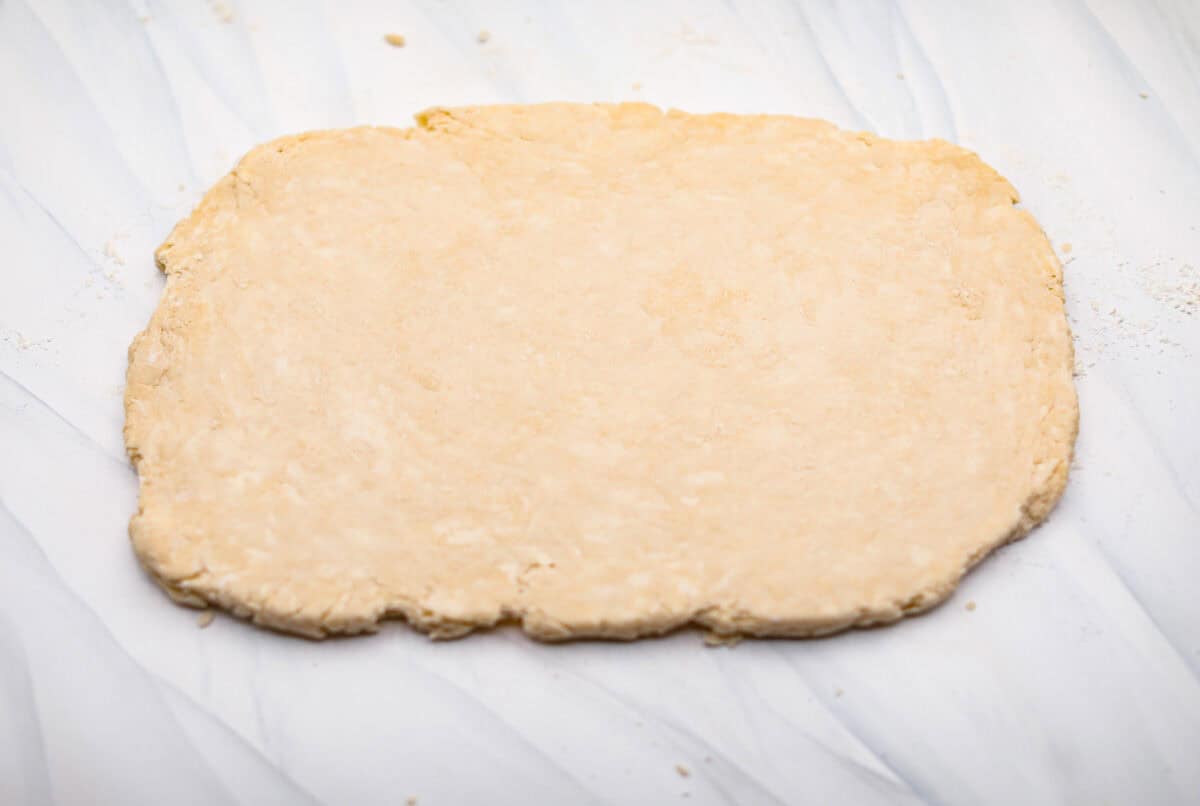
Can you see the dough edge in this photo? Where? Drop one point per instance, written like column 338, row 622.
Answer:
column 362, row 612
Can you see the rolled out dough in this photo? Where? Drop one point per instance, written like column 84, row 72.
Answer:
column 600, row 371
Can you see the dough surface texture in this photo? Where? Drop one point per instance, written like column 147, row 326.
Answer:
column 598, row 371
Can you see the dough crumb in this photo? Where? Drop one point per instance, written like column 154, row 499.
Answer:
column 1143, row 95
column 484, row 37
column 837, row 692
column 113, row 253
column 411, row 801
column 718, row 639
column 223, row 11
column 683, row 771
column 1066, row 248
column 637, row 85
column 395, row 40
column 205, row 618
column 900, row 76
column 690, row 36
column 971, row 606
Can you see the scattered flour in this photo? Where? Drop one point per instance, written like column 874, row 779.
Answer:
column 113, row 253
column 1124, row 325
column 1176, row 286
column 19, row 341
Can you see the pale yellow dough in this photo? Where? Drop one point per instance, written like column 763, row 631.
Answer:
column 599, row 371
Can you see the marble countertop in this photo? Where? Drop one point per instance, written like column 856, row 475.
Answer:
column 1066, row 669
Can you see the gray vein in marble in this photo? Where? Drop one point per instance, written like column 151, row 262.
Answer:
column 173, row 103
column 927, row 69
column 23, row 752
column 40, row 566
column 85, row 439
column 1148, row 434
column 223, row 56
column 776, row 62
column 290, row 793
column 907, row 776
column 893, row 787
column 490, row 716
column 701, row 745
column 10, row 182
column 50, row 580
column 1191, row 664
column 458, row 34
column 863, row 121
column 1138, row 80
column 338, row 114
column 1176, row 26
column 86, row 98
column 81, row 32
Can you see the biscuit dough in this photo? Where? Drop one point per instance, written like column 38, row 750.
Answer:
column 599, row 371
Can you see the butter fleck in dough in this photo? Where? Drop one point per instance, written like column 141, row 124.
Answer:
column 599, row 371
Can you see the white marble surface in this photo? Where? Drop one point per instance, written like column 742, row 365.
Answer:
column 1075, row 680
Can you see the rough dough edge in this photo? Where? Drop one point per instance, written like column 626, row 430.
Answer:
column 197, row 589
